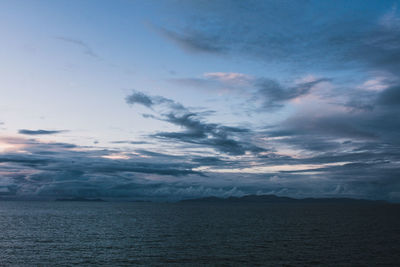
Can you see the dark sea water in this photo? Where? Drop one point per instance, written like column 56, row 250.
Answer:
column 196, row 234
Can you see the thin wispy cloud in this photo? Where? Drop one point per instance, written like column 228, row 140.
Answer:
column 267, row 93
column 194, row 42
column 86, row 49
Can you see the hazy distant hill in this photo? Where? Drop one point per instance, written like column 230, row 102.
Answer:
column 81, row 199
column 276, row 199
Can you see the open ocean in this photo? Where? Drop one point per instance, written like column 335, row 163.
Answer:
column 196, row 234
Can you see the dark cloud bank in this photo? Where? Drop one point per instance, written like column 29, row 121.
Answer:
column 53, row 170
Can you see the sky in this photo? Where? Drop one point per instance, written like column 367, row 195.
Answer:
column 168, row 100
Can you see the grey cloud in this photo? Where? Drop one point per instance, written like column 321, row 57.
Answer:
column 129, row 142
column 56, row 169
column 40, row 132
column 208, row 161
column 258, row 30
column 391, row 96
column 358, row 140
column 60, row 156
column 359, row 105
column 274, row 94
column 268, row 94
column 372, row 174
column 67, row 172
column 195, row 82
column 158, row 155
column 139, row 98
column 24, row 160
column 342, row 125
column 380, row 46
column 369, row 154
column 313, row 143
column 333, row 35
column 209, row 134
column 194, row 42
column 222, row 138
column 149, row 101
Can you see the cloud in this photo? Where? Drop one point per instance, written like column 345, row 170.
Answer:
column 274, row 94
column 225, row 139
column 84, row 46
column 61, row 169
column 149, row 101
column 380, row 47
column 232, row 77
column 54, row 170
column 40, row 132
column 324, row 36
column 221, row 83
column 255, row 29
column 193, row 42
column 390, row 96
column 268, row 93
column 130, row 142
column 212, row 135
column 139, row 98
column 323, row 152
column 363, row 146
column 336, row 137
column 378, row 83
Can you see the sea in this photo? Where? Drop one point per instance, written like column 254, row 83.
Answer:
column 40, row 233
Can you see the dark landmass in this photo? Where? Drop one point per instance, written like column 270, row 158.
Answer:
column 276, row 199
column 141, row 201
column 244, row 199
column 81, row 199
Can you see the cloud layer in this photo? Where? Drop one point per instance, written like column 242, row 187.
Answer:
column 314, row 110
column 39, row 132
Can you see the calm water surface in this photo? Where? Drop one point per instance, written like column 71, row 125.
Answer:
column 192, row 234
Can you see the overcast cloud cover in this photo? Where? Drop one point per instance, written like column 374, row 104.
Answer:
column 181, row 99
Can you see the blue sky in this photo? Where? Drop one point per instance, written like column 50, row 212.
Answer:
column 166, row 100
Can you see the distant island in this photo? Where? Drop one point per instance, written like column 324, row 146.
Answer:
column 276, row 199
column 83, row 199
